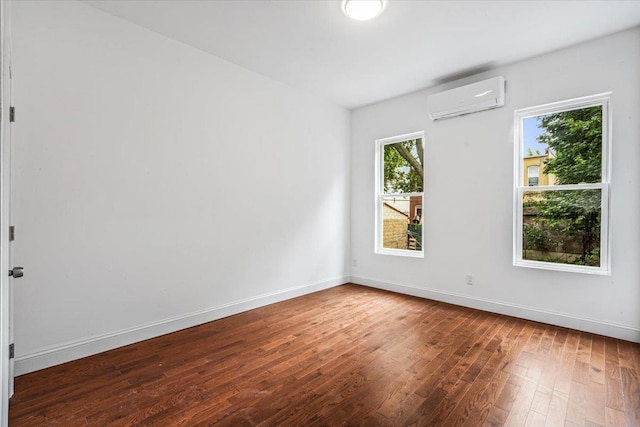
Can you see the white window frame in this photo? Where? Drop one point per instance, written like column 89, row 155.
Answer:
column 380, row 194
column 603, row 100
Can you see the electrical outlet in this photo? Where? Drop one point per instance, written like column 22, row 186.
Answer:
column 469, row 279
column 354, row 263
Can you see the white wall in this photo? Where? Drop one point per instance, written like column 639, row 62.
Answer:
column 157, row 187
column 469, row 195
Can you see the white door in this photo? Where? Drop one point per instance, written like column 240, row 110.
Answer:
column 6, row 364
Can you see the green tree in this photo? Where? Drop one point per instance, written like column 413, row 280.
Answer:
column 574, row 139
column 403, row 167
column 573, row 216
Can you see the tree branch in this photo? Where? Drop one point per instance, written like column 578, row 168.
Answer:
column 409, row 158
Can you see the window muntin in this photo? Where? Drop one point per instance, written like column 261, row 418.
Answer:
column 561, row 215
column 400, row 197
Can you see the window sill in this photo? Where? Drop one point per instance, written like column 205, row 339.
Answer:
column 401, row 252
column 600, row 271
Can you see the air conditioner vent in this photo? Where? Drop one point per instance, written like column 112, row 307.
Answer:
column 467, row 99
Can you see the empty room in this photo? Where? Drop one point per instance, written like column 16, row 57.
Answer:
column 320, row 212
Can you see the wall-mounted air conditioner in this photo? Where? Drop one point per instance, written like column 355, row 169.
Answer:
column 467, row 99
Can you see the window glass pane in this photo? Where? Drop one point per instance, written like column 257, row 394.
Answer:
column 403, row 167
column 402, row 223
column 566, row 146
column 533, row 174
column 562, row 226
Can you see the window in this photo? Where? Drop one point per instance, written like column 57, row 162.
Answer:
column 399, row 195
column 532, row 175
column 562, row 185
column 417, row 214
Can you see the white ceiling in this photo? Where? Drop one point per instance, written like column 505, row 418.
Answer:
column 413, row 44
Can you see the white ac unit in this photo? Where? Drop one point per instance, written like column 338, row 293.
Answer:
column 467, row 99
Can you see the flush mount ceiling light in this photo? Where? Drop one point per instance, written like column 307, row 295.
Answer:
column 362, row 10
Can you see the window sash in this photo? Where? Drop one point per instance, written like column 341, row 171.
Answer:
column 379, row 243
column 604, row 229
column 603, row 100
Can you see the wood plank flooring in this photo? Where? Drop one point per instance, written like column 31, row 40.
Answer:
column 343, row 357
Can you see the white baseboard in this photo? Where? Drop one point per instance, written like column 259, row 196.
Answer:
column 82, row 348
column 610, row 329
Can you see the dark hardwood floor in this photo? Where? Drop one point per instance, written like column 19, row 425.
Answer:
column 346, row 356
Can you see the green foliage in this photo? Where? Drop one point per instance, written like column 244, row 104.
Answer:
column 400, row 174
column 593, row 258
column 534, row 238
column 575, row 139
column 570, row 218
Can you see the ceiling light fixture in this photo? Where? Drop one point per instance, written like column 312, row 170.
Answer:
column 362, row 10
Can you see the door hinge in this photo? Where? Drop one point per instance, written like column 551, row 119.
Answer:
column 12, row 351
column 12, row 114
column 12, row 233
